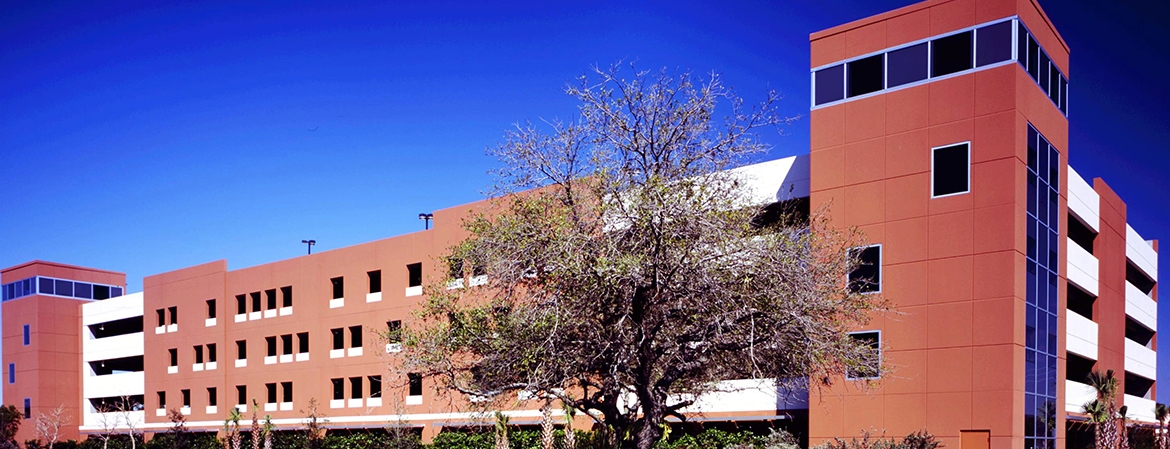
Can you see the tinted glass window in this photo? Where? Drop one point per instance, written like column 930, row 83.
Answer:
column 1063, row 95
column 1042, row 75
column 46, row 286
column 115, row 292
column 993, row 44
column 907, row 65
column 872, row 362
column 829, row 84
column 951, row 170
column 101, row 292
column 82, row 290
column 867, row 276
column 866, row 75
column 950, row 54
column 1053, row 84
column 1033, row 55
column 1022, row 45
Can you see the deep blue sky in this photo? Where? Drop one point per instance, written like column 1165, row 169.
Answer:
column 145, row 138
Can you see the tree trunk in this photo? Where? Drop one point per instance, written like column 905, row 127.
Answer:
column 547, row 435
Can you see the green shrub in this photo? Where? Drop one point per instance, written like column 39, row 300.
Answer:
column 916, row 440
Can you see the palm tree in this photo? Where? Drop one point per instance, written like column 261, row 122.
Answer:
column 1123, row 439
column 1103, row 411
column 570, row 433
column 501, row 431
column 1160, row 413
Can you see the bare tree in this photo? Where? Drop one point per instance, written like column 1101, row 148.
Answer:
column 629, row 271
column 126, row 408
column 48, row 425
column 108, row 419
column 314, row 422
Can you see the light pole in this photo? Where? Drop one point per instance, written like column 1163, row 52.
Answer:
column 310, row 243
column 426, row 218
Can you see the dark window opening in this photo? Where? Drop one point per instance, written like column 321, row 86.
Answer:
column 211, row 353
column 212, row 399
column 199, row 354
column 866, row 277
column 271, row 341
column 375, row 386
column 394, row 331
column 256, row 302
column 907, row 65
column 173, row 311
column 993, row 44
column 117, row 327
column 355, row 388
column 951, row 170
column 355, row 336
column 338, row 338
column 286, row 296
column 241, row 304
column 271, row 392
column 829, row 84
column 1022, row 45
column 414, row 275
column 1033, row 58
column 1054, row 84
column 783, row 213
column 162, row 317
column 1080, row 302
column 1138, row 386
column 870, row 366
column 186, row 397
column 241, row 349
column 338, row 287
column 1138, row 333
column 286, row 388
column 866, row 75
column 101, row 292
column 303, row 343
column 27, row 335
column 118, row 403
column 241, row 394
column 1136, row 277
column 1078, row 368
column 27, row 408
column 133, row 364
column 1081, row 234
column 415, row 381
column 375, row 281
column 270, row 298
column 950, row 54
column 1044, row 65
column 338, row 389
column 210, row 308
column 162, row 399
column 174, row 355
column 455, row 269
column 286, row 344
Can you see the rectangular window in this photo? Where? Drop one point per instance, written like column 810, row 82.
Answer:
column 211, row 353
column 394, row 331
column 186, row 398
column 286, row 296
column 162, row 399
column 257, row 304
column 1033, row 58
column 101, row 292
column 415, row 384
column 199, row 354
column 270, row 298
column 993, row 43
column 1022, row 45
column 1054, row 84
column 950, row 54
column 174, row 313
column 286, row 344
column 338, row 338
column 829, row 84
column 241, row 394
column 63, row 288
column 303, row 343
column 162, row 317
column 46, row 285
column 866, row 277
column 174, row 354
column 866, row 75
column 210, row 308
column 338, row 389
column 271, row 345
column 241, row 349
column 375, row 281
column 375, row 386
column 82, row 290
column 355, row 336
column 338, row 287
column 355, row 388
column 212, row 400
column 414, row 275
column 241, row 304
column 27, row 408
column 286, row 388
column 271, row 389
column 951, row 170
column 869, row 367
column 907, row 65
column 11, row 373
column 27, row 336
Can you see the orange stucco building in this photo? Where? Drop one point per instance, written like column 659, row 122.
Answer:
column 940, row 130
